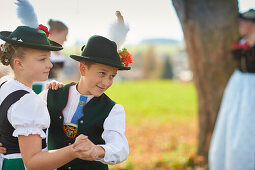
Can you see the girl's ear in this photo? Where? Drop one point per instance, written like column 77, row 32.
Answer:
column 17, row 63
column 83, row 68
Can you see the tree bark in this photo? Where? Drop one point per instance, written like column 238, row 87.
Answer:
column 210, row 27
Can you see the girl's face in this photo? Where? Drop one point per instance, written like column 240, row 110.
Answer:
column 96, row 78
column 245, row 27
column 34, row 66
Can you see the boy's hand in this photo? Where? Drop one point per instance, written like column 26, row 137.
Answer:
column 90, row 155
column 54, row 85
column 82, row 143
column 2, row 149
column 85, row 149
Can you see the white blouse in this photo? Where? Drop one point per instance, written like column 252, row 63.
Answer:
column 29, row 115
column 116, row 145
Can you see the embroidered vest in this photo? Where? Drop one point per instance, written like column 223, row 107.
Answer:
column 91, row 124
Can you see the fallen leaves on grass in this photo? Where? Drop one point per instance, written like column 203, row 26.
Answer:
column 155, row 146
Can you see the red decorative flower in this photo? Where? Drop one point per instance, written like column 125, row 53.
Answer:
column 238, row 45
column 125, row 57
column 44, row 28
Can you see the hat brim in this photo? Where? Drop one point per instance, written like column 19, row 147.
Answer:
column 82, row 58
column 4, row 35
column 241, row 16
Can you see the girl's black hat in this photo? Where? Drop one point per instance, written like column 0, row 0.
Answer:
column 248, row 15
column 31, row 38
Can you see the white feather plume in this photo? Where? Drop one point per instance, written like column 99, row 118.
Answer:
column 26, row 13
column 118, row 30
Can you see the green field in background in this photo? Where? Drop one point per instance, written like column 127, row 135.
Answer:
column 161, row 100
column 161, row 121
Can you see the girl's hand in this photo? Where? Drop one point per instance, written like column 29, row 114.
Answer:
column 82, row 143
column 84, row 148
column 2, row 149
column 54, row 85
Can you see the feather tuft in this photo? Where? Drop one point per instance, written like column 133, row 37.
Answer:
column 118, row 30
column 26, row 13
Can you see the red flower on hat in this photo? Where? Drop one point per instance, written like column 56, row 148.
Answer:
column 238, row 45
column 125, row 57
column 44, row 28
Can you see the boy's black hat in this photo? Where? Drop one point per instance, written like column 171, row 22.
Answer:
column 31, row 38
column 248, row 15
column 101, row 50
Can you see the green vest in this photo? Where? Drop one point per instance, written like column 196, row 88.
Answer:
column 91, row 124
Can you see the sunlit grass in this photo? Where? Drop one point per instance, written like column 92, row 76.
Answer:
column 161, row 100
column 161, row 123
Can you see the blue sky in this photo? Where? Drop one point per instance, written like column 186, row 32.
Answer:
column 147, row 19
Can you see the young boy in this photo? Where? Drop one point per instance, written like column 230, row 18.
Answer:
column 83, row 108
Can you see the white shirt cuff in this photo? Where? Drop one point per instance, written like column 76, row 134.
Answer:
column 107, row 157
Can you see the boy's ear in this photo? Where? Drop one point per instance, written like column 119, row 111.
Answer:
column 83, row 68
column 17, row 63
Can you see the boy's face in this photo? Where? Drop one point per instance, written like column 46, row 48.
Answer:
column 96, row 78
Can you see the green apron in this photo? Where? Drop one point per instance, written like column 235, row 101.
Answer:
column 11, row 164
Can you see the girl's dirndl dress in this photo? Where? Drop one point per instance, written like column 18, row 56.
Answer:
column 233, row 140
column 29, row 115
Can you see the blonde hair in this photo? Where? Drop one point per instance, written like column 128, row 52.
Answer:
column 8, row 52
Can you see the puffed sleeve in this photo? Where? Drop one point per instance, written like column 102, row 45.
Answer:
column 44, row 94
column 29, row 115
column 116, row 145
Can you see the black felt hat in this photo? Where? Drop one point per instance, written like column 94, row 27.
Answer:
column 31, row 38
column 248, row 15
column 101, row 50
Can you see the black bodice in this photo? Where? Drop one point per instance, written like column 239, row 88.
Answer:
column 245, row 59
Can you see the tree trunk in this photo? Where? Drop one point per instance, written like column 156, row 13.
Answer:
column 210, row 27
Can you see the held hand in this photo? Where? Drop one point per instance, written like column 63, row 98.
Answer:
column 85, row 149
column 2, row 149
column 82, row 143
column 90, row 155
column 54, row 85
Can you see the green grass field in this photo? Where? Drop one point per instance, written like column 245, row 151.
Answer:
column 161, row 123
column 161, row 100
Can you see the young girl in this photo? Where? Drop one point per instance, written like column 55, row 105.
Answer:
column 23, row 123
column 233, row 141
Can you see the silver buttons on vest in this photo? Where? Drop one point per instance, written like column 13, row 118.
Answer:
column 60, row 117
column 81, row 121
column 69, row 143
column 69, row 167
